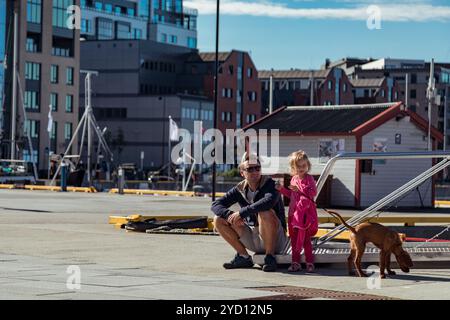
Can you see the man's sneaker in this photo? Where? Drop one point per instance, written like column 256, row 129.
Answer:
column 239, row 262
column 270, row 263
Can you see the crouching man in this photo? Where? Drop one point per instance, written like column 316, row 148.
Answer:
column 260, row 224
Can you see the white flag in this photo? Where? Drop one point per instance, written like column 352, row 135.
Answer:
column 173, row 130
column 50, row 119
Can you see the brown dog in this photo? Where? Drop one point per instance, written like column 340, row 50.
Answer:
column 385, row 239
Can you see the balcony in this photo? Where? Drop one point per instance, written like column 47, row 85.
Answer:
column 113, row 13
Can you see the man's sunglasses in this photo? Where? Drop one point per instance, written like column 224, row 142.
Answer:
column 253, row 169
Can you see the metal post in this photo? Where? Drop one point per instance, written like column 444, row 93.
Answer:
column 271, row 94
column 407, row 91
column 216, row 97
column 89, row 146
column 14, row 89
column 120, row 180
column 63, row 176
column 169, row 171
column 311, row 98
column 431, row 97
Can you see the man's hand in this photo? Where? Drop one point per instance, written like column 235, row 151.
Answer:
column 235, row 219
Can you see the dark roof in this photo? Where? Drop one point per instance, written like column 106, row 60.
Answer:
column 320, row 119
column 211, row 56
column 293, row 74
column 367, row 83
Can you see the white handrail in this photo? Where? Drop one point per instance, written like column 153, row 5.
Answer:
column 410, row 185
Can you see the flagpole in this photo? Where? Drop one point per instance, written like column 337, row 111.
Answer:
column 216, row 98
column 49, row 130
column 170, row 146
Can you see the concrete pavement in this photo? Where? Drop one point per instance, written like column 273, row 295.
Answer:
column 44, row 233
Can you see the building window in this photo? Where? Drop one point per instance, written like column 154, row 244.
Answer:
column 173, row 39
column 192, row 42
column 98, row 5
column 137, row 33
column 54, row 73
column 249, row 72
column 32, row 71
column 123, row 31
column 54, row 131
column 108, row 7
column 54, row 101
column 163, row 38
column 69, row 103
column 330, row 85
column 344, row 88
column 251, row 95
column 60, row 14
column 413, row 94
column 68, row 130
column 32, row 127
column 251, row 118
column 231, row 69
column 32, row 43
column 131, row 12
column 28, row 158
column 105, row 29
column 34, row 11
column 86, row 26
column 383, row 93
column 413, row 78
column 31, row 100
column 69, row 76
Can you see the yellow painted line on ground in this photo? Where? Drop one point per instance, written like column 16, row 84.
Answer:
column 118, row 221
column 442, row 203
column 162, row 192
column 6, row 186
column 58, row 188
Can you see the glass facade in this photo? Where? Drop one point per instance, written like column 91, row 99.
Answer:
column 144, row 8
column 34, row 11
column 105, row 29
column 60, row 15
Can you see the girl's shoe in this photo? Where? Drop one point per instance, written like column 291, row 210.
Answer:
column 310, row 267
column 295, row 267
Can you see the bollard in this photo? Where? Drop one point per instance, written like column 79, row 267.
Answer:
column 63, row 177
column 120, row 180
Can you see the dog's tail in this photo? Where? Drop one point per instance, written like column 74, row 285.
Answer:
column 337, row 215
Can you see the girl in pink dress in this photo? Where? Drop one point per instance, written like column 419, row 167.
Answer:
column 302, row 216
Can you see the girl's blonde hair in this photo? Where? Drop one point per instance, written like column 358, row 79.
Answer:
column 297, row 156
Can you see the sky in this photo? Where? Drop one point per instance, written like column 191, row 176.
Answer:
column 303, row 33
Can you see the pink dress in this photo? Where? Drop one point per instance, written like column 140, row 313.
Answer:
column 302, row 216
column 302, row 211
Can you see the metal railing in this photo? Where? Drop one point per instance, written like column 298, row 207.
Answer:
column 410, row 185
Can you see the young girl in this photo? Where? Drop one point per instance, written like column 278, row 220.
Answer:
column 302, row 217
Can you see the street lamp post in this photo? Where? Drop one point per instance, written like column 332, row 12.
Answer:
column 216, row 96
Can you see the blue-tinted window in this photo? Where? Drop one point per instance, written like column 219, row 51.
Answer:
column 98, row 5
column 130, row 12
column 108, row 7
column 192, row 43
column 144, row 8
column 60, row 15
column 34, row 11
